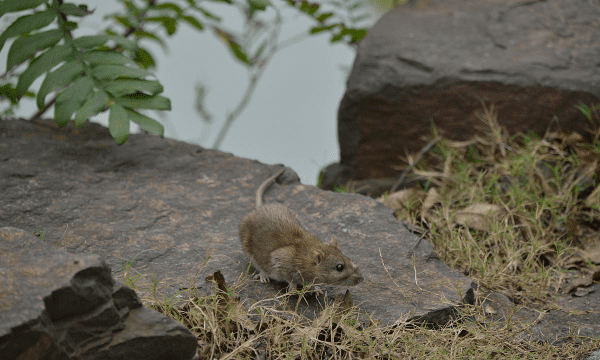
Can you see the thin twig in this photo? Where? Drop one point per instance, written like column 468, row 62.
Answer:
column 262, row 65
column 418, row 158
column 415, row 270
column 63, row 235
column 386, row 270
column 418, row 241
column 412, row 250
column 38, row 114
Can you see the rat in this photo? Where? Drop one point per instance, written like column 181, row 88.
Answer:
column 283, row 250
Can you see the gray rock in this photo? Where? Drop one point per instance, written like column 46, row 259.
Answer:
column 175, row 208
column 594, row 356
column 436, row 60
column 577, row 315
column 59, row 305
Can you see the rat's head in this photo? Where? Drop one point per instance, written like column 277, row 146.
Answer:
column 333, row 267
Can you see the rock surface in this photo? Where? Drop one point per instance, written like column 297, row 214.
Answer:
column 436, row 60
column 56, row 305
column 594, row 356
column 174, row 209
column 578, row 315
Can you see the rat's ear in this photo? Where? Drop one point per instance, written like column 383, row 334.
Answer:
column 318, row 255
column 333, row 241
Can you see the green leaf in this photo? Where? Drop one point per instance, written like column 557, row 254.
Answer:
column 45, row 62
column 587, row 111
column 105, row 58
column 9, row 92
column 71, row 98
column 318, row 29
column 336, row 38
column 193, row 21
column 169, row 6
column 208, row 14
column 24, row 47
column 110, row 72
column 148, row 35
column 93, row 105
column 309, row 8
column 235, row 48
column 14, row 6
column 144, row 58
column 69, row 25
column 133, row 9
column 123, row 21
column 256, row 5
column 168, row 23
column 143, row 101
column 26, row 24
column 239, row 52
column 58, row 79
column 355, row 34
column 74, row 10
column 89, row 42
column 358, row 35
column 122, row 87
column 259, row 4
column 118, row 123
column 150, row 125
column 324, row 16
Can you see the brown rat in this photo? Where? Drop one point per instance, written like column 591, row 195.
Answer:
column 283, row 250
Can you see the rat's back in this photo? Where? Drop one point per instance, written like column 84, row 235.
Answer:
column 270, row 227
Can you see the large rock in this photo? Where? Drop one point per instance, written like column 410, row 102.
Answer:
column 436, row 60
column 56, row 305
column 174, row 208
column 575, row 315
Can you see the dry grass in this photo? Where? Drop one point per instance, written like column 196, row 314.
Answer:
column 521, row 215
column 228, row 329
column 517, row 214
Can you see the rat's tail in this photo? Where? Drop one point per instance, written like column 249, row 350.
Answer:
column 264, row 186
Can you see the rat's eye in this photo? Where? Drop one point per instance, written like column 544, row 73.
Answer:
column 339, row 267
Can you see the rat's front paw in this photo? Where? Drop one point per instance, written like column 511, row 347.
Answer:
column 263, row 277
column 317, row 290
column 291, row 287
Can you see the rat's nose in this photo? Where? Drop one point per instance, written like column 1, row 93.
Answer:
column 359, row 278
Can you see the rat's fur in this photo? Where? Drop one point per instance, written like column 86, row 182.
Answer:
column 281, row 249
